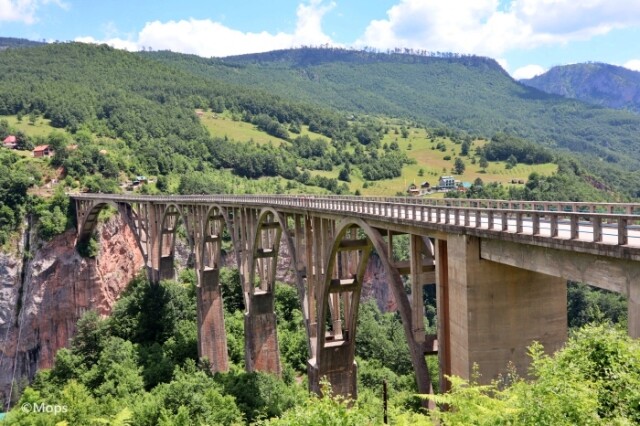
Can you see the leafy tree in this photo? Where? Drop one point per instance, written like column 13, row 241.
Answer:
column 459, row 166
column 90, row 338
column 483, row 163
column 464, row 149
column 344, row 175
column 326, row 410
column 593, row 380
column 258, row 394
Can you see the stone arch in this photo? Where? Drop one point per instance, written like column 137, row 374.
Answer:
column 335, row 350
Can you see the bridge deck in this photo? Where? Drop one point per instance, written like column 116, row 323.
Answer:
column 610, row 229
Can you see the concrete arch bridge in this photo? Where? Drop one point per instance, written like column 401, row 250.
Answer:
column 500, row 269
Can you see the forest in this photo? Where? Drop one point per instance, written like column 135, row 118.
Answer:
column 465, row 93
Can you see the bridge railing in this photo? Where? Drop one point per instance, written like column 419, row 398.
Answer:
column 607, row 223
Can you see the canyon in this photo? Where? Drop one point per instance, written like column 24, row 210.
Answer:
column 46, row 286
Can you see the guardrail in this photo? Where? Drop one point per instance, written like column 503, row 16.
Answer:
column 606, row 223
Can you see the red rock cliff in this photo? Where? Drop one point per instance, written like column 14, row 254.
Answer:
column 38, row 313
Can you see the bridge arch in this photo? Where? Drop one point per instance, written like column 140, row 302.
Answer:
column 172, row 217
column 339, row 300
column 216, row 220
column 89, row 217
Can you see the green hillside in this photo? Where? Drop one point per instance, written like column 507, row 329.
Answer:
column 126, row 115
column 469, row 93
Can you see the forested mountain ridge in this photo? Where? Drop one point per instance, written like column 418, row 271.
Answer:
column 597, row 83
column 464, row 92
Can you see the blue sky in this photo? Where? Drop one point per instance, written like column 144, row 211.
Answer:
column 525, row 36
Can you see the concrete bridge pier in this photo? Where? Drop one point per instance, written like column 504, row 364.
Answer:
column 495, row 311
column 166, row 270
column 260, row 335
column 212, row 338
column 331, row 365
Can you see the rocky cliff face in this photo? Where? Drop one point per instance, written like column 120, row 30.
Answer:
column 375, row 285
column 40, row 305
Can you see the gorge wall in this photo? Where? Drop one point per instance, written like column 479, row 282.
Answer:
column 42, row 297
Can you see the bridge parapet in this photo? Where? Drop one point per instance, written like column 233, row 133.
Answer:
column 568, row 223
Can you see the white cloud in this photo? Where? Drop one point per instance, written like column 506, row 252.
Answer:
column 113, row 42
column 24, row 10
column 633, row 64
column 503, row 63
column 210, row 38
column 528, row 71
column 484, row 27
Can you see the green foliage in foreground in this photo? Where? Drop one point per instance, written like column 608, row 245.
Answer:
column 140, row 367
column 595, row 379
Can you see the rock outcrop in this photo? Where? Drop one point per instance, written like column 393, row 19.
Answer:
column 40, row 307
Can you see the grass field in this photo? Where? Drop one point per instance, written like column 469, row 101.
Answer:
column 222, row 125
column 431, row 161
column 42, row 126
column 418, row 146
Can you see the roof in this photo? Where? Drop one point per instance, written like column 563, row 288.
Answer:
column 40, row 148
column 10, row 139
column 447, row 177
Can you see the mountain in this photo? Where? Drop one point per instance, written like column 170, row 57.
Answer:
column 599, row 84
column 10, row 42
column 469, row 93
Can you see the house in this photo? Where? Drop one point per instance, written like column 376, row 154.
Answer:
column 446, row 183
column 425, row 185
column 42, row 151
column 139, row 180
column 413, row 190
column 10, row 142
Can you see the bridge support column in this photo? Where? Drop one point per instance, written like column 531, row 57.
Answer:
column 166, row 271
column 331, row 364
column 212, row 338
column 496, row 311
column 260, row 336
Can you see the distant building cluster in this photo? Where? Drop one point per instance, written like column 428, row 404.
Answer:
column 445, row 184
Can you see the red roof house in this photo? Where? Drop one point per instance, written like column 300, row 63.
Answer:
column 10, row 142
column 42, row 151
